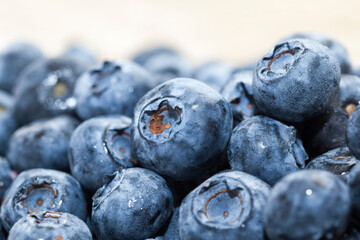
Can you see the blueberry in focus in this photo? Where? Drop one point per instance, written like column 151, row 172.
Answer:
column 265, row 148
column 229, row 205
column 297, row 80
column 353, row 133
column 239, row 94
column 45, row 89
column 336, row 48
column 308, row 204
column 134, row 204
column 8, row 123
column 339, row 161
column 215, row 74
column 353, row 181
column 172, row 232
column 111, row 88
column 13, row 60
column 98, row 147
column 42, row 189
column 49, row 225
column 43, row 143
column 181, row 128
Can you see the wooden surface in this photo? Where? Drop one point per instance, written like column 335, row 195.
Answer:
column 235, row 31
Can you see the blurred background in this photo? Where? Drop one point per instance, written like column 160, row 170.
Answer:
column 234, row 31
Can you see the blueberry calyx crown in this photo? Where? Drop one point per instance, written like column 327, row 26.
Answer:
column 102, row 76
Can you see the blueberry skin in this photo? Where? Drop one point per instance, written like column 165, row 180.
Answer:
column 336, row 48
column 353, row 182
column 266, row 149
column 349, row 92
column 111, row 88
column 6, row 176
column 229, row 205
column 98, row 147
column 45, row 89
column 81, row 54
column 308, row 204
column 13, row 60
column 43, row 143
column 353, row 133
column 239, row 94
column 172, row 232
column 134, row 204
column 42, row 189
column 145, row 55
column 339, row 161
column 49, row 225
column 215, row 74
column 8, row 123
column 297, row 80
column 181, row 128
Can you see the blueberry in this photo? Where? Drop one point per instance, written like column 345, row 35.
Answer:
column 168, row 66
column 172, row 232
column 145, row 55
column 13, row 60
column 45, row 89
column 329, row 135
column 336, row 48
column 308, row 204
column 238, row 92
column 6, row 176
column 229, row 205
column 111, row 88
column 99, row 146
column 81, row 54
column 8, row 123
column 214, row 74
column 297, row 80
column 43, row 143
column 42, row 189
column 338, row 161
column 354, row 184
column 49, row 225
column 181, row 128
column 265, row 148
column 353, row 133
column 349, row 92
column 134, row 204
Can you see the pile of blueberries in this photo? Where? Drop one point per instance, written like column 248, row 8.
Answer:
column 155, row 148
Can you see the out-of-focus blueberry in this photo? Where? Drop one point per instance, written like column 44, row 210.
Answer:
column 49, row 225
column 238, row 92
column 349, row 92
column 214, row 74
column 337, row 49
column 13, row 60
column 46, row 89
column 308, row 204
column 111, row 88
column 98, row 147
column 181, row 128
column 354, row 184
column 338, row 161
column 142, row 57
column 229, row 205
column 42, row 189
column 43, row 143
column 81, row 54
column 134, row 204
column 6, row 176
column 265, row 148
column 297, row 80
column 8, row 123
column 353, row 133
